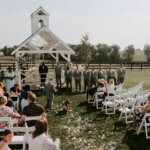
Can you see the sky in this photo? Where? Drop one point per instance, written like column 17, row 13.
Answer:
column 122, row 22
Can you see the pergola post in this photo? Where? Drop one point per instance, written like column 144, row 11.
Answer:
column 69, row 58
column 57, row 57
column 18, row 73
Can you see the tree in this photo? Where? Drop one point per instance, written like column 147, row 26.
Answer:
column 129, row 53
column 103, row 52
column 114, row 55
column 147, row 52
column 85, row 52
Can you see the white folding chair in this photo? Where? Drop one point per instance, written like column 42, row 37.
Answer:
column 17, row 140
column 127, row 110
column 6, row 120
column 145, row 124
column 98, row 99
column 29, row 129
column 109, row 105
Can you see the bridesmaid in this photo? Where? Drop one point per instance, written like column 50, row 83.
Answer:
column 9, row 76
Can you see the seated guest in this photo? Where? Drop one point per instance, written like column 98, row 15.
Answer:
column 33, row 109
column 10, row 103
column 7, row 137
column 7, row 112
column 39, row 140
column 1, row 76
column 111, row 88
column 1, row 89
column 15, row 91
column 101, row 88
column 26, row 89
column 24, row 101
column 139, row 113
column 103, row 82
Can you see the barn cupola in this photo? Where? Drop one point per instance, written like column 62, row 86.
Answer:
column 39, row 18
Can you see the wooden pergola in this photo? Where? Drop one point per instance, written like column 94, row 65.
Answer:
column 43, row 41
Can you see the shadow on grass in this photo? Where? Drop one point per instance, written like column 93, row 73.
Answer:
column 119, row 125
column 136, row 142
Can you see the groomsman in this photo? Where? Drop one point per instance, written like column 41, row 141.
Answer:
column 49, row 92
column 93, row 76
column 77, row 76
column 68, row 77
column 101, row 73
column 121, row 74
column 43, row 69
column 87, row 76
column 58, row 74
column 110, row 73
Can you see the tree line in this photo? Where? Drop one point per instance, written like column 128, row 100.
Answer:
column 85, row 52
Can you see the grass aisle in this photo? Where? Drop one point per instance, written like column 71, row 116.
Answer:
column 85, row 128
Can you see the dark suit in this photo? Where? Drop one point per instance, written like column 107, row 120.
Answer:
column 77, row 76
column 101, row 74
column 58, row 75
column 93, row 78
column 121, row 75
column 43, row 70
column 110, row 74
column 68, row 77
column 87, row 76
column 49, row 92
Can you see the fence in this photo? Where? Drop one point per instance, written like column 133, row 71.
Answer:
column 129, row 66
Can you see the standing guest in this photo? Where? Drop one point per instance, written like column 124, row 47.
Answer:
column 39, row 140
column 33, row 109
column 9, row 76
column 101, row 73
column 49, row 91
column 121, row 74
column 68, row 77
column 15, row 92
column 7, row 112
column 87, row 77
column 23, row 75
column 93, row 77
column 7, row 137
column 58, row 74
column 43, row 70
column 1, row 90
column 77, row 76
column 110, row 73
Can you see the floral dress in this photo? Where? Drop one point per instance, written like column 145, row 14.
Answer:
column 6, row 112
column 139, row 117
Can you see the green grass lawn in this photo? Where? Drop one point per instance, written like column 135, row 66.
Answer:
column 85, row 128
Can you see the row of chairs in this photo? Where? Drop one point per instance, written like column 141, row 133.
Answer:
column 124, row 101
column 19, row 139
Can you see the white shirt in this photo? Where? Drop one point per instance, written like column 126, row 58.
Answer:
column 111, row 89
column 68, row 71
column 24, row 103
column 42, row 142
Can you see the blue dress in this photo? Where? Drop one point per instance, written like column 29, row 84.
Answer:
column 9, row 82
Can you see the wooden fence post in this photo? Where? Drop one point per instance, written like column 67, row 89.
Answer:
column 141, row 66
column 131, row 66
